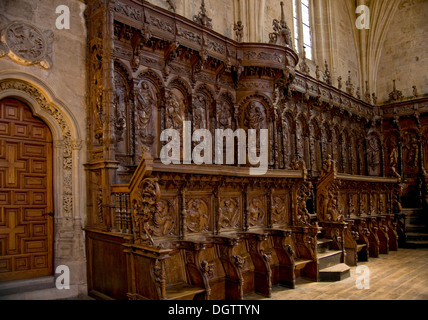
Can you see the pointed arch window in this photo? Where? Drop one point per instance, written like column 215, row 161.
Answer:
column 302, row 27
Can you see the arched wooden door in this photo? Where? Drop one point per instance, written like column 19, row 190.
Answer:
column 26, row 204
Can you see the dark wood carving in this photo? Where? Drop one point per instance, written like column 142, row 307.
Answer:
column 214, row 231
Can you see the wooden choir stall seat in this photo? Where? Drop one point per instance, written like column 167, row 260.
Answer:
column 193, row 227
column 362, row 207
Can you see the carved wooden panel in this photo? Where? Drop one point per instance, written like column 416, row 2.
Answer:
column 25, row 193
column 230, row 212
column 197, row 214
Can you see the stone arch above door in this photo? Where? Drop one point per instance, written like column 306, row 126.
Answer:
column 69, row 193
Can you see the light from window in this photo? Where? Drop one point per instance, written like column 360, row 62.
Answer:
column 302, row 27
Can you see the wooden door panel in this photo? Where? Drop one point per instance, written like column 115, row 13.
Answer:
column 26, row 230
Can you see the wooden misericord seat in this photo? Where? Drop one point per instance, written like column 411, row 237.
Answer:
column 158, row 274
column 356, row 243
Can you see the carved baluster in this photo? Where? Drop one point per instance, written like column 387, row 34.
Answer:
column 128, row 218
column 116, row 213
column 119, row 211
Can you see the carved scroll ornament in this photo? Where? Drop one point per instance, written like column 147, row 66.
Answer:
column 144, row 209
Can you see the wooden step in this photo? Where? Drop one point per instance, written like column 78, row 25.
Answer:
column 323, row 245
column 416, row 244
column 416, row 236
column 417, row 228
column 329, row 258
column 300, row 263
column 334, row 273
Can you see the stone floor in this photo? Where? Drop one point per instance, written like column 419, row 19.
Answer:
column 400, row 275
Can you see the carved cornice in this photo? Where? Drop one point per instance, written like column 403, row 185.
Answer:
column 168, row 28
column 323, row 93
column 405, row 108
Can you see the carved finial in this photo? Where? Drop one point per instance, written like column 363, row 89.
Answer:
column 303, row 65
column 281, row 34
column 349, row 85
column 327, row 75
column 171, row 4
column 395, row 95
column 374, row 98
column 282, row 13
column 202, row 17
column 239, row 30
column 367, row 96
column 415, row 92
column 339, row 83
column 317, row 72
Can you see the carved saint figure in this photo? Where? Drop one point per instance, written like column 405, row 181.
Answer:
column 224, row 117
column 255, row 211
column 393, row 157
column 162, row 220
column 278, row 210
column 199, row 113
column 145, row 101
column 413, row 152
column 255, row 116
column 174, row 120
column 120, row 101
column 229, row 214
column 239, row 30
column 196, row 216
column 373, row 153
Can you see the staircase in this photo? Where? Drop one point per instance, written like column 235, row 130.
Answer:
column 416, row 228
column 331, row 268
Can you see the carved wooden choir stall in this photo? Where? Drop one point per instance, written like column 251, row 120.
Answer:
column 210, row 231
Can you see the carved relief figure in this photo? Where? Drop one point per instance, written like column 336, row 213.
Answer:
column 255, row 117
column 333, row 213
column 174, row 109
column 393, row 156
column 303, row 216
column 120, row 101
column 239, row 31
column 144, row 208
column 255, row 212
column 197, row 216
column 373, row 154
column 25, row 44
column 224, row 116
column 97, row 100
column 163, row 221
column 412, row 147
column 145, row 101
column 199, row 112
column 278, row 210
column 229, row 214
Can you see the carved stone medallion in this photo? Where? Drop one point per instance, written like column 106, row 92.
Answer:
column 27, row 45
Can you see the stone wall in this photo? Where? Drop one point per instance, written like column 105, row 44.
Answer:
column 405, row 51
column 46, row 68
